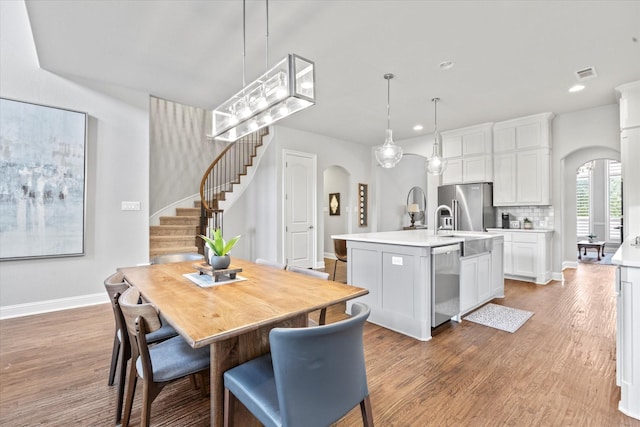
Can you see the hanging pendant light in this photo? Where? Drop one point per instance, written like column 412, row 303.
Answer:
column 286, row 88
column 388, row 154
column 436, row 164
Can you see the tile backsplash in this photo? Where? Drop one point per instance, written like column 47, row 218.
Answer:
column 541, row 216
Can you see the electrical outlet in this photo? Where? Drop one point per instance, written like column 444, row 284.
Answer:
column 396, row 260
column 130, row 206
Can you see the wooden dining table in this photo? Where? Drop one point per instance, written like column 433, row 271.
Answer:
column 234, row 319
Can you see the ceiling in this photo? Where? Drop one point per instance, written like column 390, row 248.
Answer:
column 512, row 58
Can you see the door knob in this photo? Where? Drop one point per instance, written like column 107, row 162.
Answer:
column 310, row 227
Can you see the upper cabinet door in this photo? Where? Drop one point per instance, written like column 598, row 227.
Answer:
column 504, row 139
column 504, row 183
column 475, row 143
column 451, row 146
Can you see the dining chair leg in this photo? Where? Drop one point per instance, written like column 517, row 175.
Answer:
column 121, row 382
column 145, row 413
column 114, row 359
column 322, row 320
column 335, row 264
column 131, row 389
column 228, row 408
column 367, row 413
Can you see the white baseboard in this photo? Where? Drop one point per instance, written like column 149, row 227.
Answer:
column 39, row 307
column 330, row 255
column 557, row 276
column 569, row 264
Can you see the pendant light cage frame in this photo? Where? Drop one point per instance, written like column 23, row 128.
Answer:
column 286, row 88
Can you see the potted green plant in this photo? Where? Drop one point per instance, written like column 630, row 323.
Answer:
column 218, row 249
column 528, row 224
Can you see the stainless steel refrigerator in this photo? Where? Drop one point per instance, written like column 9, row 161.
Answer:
column 472, row 205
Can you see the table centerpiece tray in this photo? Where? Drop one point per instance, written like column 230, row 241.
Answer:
column 217, row 275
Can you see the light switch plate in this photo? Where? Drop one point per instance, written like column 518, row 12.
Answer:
column 396, row 260
column 130, row 206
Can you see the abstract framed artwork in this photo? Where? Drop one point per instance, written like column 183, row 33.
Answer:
column 334, row 204
column 42, row 181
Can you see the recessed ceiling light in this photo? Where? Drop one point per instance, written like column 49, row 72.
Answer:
column 576, row 87
column 417, row 127
column 446, row 65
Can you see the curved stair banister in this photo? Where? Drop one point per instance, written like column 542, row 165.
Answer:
column 226, row 170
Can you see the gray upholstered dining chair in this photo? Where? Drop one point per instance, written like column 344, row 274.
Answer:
column 121, row 352
column 322, row 319
column 312, row 377
column 269, row 263
column 159, row 364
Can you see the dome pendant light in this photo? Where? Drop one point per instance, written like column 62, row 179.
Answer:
column 436, row 164
column 388, row 154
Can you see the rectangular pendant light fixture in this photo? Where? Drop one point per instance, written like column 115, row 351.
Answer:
column 286, row 88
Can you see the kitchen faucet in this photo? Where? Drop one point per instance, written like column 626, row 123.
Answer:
column 435, row 217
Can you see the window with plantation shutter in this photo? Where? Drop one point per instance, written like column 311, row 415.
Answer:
column 582, row 202
column 614, row 200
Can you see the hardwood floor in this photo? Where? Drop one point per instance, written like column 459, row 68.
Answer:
column 556, row 370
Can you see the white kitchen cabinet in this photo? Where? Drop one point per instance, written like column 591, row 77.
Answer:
column 527, row 254
column 453, row 172
column 522, row 158
column 627, row 288
column 504, row 182
column 523, row 133
column 522, row 178
column 523, row 258
column 475, row 281
column 467, row 170
column 469, row 155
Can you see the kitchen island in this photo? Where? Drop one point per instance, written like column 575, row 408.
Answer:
column 396, row 267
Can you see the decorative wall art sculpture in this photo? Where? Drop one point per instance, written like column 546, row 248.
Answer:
column 334, row 203
column 362, row 204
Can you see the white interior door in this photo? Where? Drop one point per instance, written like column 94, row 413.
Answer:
column 300, row 209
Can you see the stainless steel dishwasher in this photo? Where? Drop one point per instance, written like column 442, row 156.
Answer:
column 445, row 283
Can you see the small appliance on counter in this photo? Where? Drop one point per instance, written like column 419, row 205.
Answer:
column 505, row 220
column 514, row 224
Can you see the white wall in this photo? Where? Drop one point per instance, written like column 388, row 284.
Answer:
column 117, row 170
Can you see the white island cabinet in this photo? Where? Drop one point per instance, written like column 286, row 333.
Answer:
column 627, row 258
column 395, row 267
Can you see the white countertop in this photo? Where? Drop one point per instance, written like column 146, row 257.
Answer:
column 627, row 255
column 420, row 238
column 520, row 230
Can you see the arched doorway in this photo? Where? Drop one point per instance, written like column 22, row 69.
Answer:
column 567, row 188
column 599, row 202
column 337, row 212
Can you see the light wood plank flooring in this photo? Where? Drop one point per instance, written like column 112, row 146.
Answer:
column 556, row 370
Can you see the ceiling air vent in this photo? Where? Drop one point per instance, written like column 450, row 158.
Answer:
column 586, row 73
